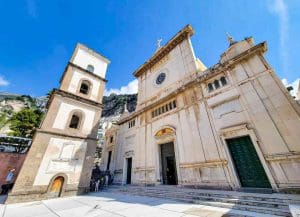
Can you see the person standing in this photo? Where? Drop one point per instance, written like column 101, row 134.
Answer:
column 106, row 180
column 97, row 185
column 10, row 176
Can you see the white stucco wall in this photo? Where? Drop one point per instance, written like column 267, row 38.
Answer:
column 61, row 157
column 64, row 111
column 178, row 63
column 83, row 59
column 75, row 84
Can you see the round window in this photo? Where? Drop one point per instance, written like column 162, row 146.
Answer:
column 160, row 78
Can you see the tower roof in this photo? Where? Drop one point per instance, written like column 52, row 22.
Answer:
column 90, row 51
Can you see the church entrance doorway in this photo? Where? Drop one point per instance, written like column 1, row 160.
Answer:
column 247, row 164
column 56, row 186
column 168, row 164
column 129, row 166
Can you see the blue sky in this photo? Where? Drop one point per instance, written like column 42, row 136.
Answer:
column 37, row 37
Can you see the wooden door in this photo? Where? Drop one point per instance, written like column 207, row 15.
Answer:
column 168, row 164
column 56, row 186
column 247, row 163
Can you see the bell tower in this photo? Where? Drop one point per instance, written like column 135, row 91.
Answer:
column 60, row 159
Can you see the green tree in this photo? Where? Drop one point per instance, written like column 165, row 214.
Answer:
column 24, row 122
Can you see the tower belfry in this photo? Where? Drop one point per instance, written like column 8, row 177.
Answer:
column 60, row 160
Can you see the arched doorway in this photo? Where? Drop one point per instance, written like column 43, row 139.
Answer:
column 56, row 187
column 165, row 139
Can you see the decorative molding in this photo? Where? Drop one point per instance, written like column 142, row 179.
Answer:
column 72, row 96
column 65, row 135
column 203, row 164
column 283, row 156
column 141, row 169
column 242, row 126
column 82, row 70
column 128, row 153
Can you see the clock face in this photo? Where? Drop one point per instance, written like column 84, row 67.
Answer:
column 160, row 78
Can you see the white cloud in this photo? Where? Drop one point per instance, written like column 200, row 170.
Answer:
column 130, row 88
column 279, row 8
column 294, row 84
column 3, row 81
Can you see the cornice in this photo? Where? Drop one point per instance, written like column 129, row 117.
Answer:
column 65, row 135
column 72, row 96
column 90, row 51
column 81, row 69
column 187, row 31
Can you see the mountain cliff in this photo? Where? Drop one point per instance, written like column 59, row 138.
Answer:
column 115, row 104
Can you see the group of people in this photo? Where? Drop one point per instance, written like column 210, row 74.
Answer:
column 100, row 179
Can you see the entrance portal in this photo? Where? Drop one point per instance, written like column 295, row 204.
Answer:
column 168, row 164
column 247, row 164
column 129, row 166
column 56, row 186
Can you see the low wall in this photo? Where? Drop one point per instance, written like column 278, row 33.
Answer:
column 10, row 161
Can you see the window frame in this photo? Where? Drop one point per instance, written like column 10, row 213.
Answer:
column 81, row 117
column 90, row 68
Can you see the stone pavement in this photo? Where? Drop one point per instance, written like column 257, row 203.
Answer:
column 106, row 204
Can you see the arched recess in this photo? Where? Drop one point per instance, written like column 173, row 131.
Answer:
column 57, row 185
column 165, row 131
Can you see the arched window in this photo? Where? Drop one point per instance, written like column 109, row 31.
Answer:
column 210, row 87
column 90, row 68
column 84, row 87
column 217, row 84
column 74, row 123
column 223, row 81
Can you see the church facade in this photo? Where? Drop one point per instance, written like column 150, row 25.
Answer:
column 230, row 126
column 60, row 160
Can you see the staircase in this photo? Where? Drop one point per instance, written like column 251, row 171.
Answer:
column 274, row 204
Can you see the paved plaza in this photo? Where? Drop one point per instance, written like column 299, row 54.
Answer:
column 105, row 204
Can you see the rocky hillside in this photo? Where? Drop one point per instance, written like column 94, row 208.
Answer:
column 11, row 103
column 114, row 105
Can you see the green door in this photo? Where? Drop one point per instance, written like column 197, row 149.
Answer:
column 247, row 164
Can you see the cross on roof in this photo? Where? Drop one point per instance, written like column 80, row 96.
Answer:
column 158, row 43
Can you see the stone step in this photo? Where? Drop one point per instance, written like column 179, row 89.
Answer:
column 280, row 205
column 267, row 204
column 247, row 196
column 240, row 205
column 276, row 203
